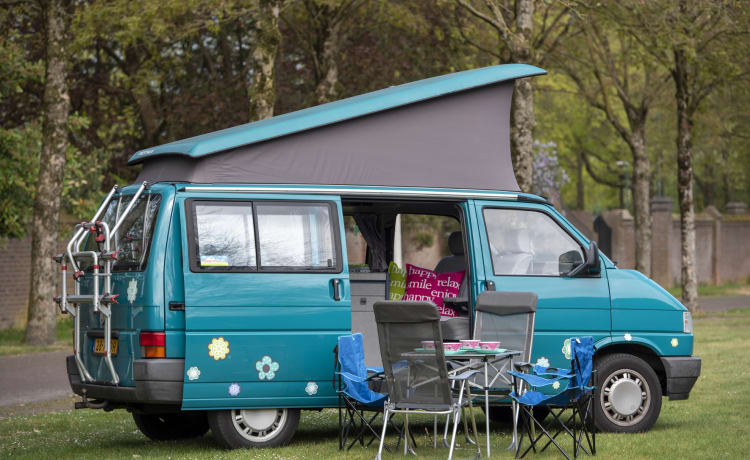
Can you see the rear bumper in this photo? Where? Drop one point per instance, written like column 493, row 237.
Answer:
column 157, row 381
column 681, row 373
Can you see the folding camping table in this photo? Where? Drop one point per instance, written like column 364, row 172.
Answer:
column 474, row 360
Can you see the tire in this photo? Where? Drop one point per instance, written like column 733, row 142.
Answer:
column 628, row 394
column 165, row 427
column 242, row 428
column 504, row 414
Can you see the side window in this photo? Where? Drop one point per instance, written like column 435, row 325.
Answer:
column 224, row 236
column 529, row 243
column 244, row 236
column 296, row 236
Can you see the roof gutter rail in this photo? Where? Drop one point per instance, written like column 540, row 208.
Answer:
column 369, row 191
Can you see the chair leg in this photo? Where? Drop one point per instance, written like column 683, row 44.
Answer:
column 382, row 437
column 474, row 423
column 456, row 416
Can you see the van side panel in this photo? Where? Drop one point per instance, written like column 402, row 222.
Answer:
column 262, row 339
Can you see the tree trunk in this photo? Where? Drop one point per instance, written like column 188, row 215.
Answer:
column 522, row 107
column 326, row 90
column 580, row 197
column 641, row 197
column 42, row 324
column 522, row 133
column 685, row 183
column 262, row 91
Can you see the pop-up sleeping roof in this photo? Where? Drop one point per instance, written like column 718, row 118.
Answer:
column 451, row 131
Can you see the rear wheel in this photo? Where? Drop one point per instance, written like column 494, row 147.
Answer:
column 241, row 428
column 165, row 427
column 628, row 394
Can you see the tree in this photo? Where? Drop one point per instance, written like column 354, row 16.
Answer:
column 691, row 40
column 514, row 23
column 617, row 77
column 322, row 27
column 41, row 326
column 262, row 91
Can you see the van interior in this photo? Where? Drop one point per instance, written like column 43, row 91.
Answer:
column 428, row 234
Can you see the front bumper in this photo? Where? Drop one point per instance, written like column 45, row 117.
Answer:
column 681, row 372
column 157, row 381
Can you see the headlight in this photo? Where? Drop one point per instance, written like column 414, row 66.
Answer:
column 687, row 322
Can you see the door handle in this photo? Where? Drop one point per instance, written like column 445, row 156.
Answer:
column 336, row 291
column 490, row 285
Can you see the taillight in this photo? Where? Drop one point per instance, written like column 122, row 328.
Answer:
column 153, row 344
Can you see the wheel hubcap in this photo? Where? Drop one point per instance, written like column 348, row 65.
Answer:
column 259, row 425
column 625, row 397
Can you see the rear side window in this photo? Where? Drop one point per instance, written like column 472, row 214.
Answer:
column 133, row 238
column 245, row 236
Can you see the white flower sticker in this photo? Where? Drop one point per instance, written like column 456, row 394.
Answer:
column 628, row 337
column 218, row 348
column 675, row 342
column 566, row 349
column 132, row 290
column 556, row 385
column 266, row 368
column 542, row 361
column 234, row 389
column 193, row 373
column 311, row 388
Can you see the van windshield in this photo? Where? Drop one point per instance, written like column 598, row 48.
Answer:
column 133, row 238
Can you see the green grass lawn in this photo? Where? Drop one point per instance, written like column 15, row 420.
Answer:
column 708, row 290
column 11, row 339
column 713, row 423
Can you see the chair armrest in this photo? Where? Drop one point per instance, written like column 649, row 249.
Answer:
column 457, row 303
column 464, row 375
column 523, row 366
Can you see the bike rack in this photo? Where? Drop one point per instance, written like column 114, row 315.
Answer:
column 101, row 303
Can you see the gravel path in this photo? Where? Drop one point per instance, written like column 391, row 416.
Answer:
column 33, row 377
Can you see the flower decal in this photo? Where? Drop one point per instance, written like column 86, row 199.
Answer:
column 193, row 373
column 542, row 361
column 566, row 348
column 628, row 337
column 266, row 368
column 556, row 385
column 218, row 348
column 675, row 342
column 311, row 388
column 132, row 290
column 234, row 389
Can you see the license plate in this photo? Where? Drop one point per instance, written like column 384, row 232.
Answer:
column 99, row 346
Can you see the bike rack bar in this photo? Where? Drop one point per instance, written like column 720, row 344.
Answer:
column 101, row 302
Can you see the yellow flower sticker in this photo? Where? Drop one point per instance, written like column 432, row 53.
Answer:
column 675, row 342
column 218, row 348
column 556, row 385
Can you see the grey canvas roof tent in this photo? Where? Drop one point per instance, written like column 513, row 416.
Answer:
column 451, row 131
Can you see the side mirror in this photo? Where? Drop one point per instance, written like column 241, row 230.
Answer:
column 568, row 261
column 592, row 264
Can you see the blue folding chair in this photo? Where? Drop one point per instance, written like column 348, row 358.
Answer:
column 353, row 382
column 559, row 390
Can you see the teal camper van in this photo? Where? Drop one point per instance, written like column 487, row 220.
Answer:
column 211, row 293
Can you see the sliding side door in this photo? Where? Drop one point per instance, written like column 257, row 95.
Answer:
column 266, row 296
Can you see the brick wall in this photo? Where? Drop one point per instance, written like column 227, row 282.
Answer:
column 15, row 271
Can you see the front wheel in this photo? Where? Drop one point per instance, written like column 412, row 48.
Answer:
column 628, row 394
column 242, row 428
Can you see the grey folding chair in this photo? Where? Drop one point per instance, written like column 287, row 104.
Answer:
column 417, row 379
column 506, row 317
